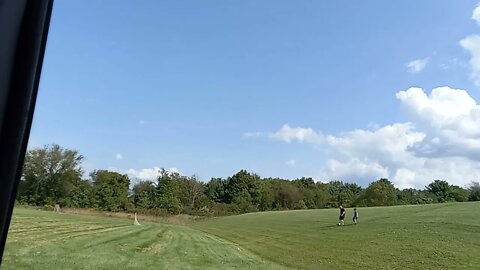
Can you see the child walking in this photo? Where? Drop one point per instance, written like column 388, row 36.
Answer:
column 355, row 215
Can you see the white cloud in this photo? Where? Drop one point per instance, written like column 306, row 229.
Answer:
column 476, row 14
column 353, row 170
column 291, row 163
column 451, row 117
column 442, row 141
column 417, row 65
column 289, row 134
column 390, row 141
column 404, row 178
column 148, row 173
column 440, row 105
column 118, row 156
column 472, row 45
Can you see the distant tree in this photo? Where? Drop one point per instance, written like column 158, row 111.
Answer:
column 321, row 195
column 341, row 193
column 304, row 182
column 379, row 193
column 243, row 201
column 144, row 195
column 50, row 174
column 350, row 193
column 192, row 190
column 215, row 190
column 335, row 188
column 81, row 196
column 313, row 195
column 168, row 191
column 111, row 190
column 441, row 189
column 267, row 195
column 300, row 205
column 474, row 190
column 404, row 196
column 414, row 196
column 240, row 182
column 459, row 194
column 287, row 195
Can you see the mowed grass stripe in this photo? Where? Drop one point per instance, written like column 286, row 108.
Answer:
column 117, row 244
column 443, row 236
column 59, row 229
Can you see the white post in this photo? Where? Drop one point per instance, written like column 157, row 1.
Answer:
column 135, row 222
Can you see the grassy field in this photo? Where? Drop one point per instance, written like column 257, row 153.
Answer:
column 44, row 240
column 442, row 236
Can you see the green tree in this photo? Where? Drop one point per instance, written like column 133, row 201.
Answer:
column 168, row 191
column 243, row 181
column 81, row 196
column 441, row 189
column 379, row 193
column 111, row 190
column 459, row 194
column 192, row 191
column 267, row 195
column 215, row 190
column 414, row 196
column 243, row 202
column 474, row 190
column 50, row 174
column 341, row 193
column 308, row 191
column 321, row 195
column 287, row 195
column 144, row 195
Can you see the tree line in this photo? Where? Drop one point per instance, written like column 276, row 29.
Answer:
column 53, row 175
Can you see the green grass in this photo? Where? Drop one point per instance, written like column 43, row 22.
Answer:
column 44, row 240
column 441, row 236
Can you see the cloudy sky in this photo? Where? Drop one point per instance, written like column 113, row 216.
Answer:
column 331, row 90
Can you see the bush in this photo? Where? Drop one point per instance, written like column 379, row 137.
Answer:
column 300, row 205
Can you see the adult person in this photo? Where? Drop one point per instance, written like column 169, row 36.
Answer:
column 343, row 212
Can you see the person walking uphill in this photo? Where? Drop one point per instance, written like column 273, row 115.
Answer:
column 342, row 216
column 355, row 216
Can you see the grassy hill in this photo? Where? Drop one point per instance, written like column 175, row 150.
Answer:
column 441, row 236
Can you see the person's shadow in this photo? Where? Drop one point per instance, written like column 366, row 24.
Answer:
column 336, row 225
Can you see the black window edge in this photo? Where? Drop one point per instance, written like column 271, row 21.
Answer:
column 23, row 35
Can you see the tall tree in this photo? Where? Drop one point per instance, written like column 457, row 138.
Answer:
column 287, row 196
column 379, row 193
column 459, row 194
column 343, row 193
column 81, row 196
column 441, row 189
column 192, row 190
column 168, row 191
column 144, row 195
column 50, row 174
column 111, row 190
column 243, row 181
column 215, row 190
column 474, row 190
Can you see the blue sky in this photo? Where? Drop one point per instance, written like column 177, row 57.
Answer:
column 212, row 87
